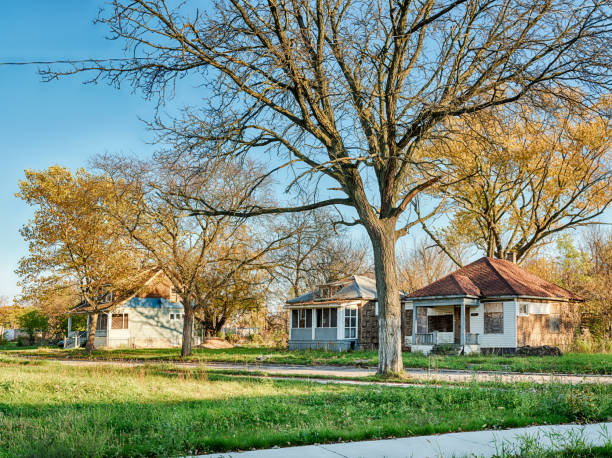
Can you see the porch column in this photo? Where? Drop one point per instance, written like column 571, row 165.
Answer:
column 414, row 323
column 314, row 322
column 69, row 324
column 109, row 320
column 462, row 330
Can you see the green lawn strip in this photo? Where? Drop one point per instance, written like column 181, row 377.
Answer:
column 48, row 409
column 571, row 363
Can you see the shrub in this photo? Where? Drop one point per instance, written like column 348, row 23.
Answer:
column 586, row 343
column 445, row 349
column 583, row 404
column 33, row 321
column 231, row 337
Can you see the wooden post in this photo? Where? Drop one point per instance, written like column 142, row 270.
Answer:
column 414, row 323
column 67, row 340
column 109, row 320
column 462, row 330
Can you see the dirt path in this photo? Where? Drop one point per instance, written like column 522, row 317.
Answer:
column 417, row 375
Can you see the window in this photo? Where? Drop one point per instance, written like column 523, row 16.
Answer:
column 119, row 321
column 177, row 316
column 327, row 318
column 440, row 323
column 301, row 318
column 102, row 322
column 554, row 323
column 494, row 318
column 523, row 309
column 350, row 323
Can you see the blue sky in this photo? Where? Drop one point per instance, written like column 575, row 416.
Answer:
column 61, row 122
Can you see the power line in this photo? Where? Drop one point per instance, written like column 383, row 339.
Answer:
column 78, row 61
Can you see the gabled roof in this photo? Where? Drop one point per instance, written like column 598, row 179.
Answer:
column 493, row 277
column 356, row 287
column 142, row 280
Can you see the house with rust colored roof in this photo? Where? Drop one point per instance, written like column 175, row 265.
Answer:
column 490, row 305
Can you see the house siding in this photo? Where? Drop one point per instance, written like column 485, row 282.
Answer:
column 505, row 340
column 534, row 329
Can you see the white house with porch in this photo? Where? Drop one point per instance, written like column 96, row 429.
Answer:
column 150, row 316
column 490, row 305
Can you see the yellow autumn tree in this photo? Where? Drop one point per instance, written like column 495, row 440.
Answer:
column 73, row 245
column 518, row 177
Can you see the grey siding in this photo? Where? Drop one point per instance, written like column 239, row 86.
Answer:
column 301, row 334
column 337, row 345
column 326, row 333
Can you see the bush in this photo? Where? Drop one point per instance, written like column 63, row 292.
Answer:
column 544, row 350
column 231, row 337
column 583, row 404
column 589, row 344
column 445, row 349
column 33, row 321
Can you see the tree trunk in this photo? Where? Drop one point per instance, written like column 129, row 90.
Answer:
column 220, row 324
column 389, row 306
column 187, row 332
column 91, row 332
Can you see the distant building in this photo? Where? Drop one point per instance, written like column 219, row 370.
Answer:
column 490, row 305
column 151, row 316
column 335, row 316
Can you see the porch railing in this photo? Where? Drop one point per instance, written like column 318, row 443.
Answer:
column 425, row 339
column 471, row 338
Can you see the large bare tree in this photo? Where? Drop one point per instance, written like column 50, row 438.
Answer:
column 316, row 253
column 341, row 94
column 199, row 254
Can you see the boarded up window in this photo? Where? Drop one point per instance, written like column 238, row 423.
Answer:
column 440, row 323
column 102, row 322
column 327, row 318
column 408, row 322
column 494, row 318
column 421, row 320
column 119, row 321
column 554, row 323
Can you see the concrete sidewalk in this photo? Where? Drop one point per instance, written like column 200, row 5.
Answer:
column 477, row 443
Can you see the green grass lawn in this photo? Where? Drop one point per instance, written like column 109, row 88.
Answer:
column 48, row 409
column 571, row 363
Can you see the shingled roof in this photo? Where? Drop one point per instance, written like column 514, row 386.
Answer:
column 354, row 287
column 493, row 277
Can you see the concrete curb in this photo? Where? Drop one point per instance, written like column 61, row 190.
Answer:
column 476, row 443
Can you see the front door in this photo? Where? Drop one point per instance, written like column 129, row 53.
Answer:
column 457, row 321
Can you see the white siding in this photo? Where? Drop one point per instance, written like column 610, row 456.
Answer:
column 147, row 327
column 505, row 340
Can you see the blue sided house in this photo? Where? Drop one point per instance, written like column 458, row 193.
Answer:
column 151, row 317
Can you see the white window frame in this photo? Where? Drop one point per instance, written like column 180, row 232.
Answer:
column 484, row 317
column 351, row 313
column 526, row 311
